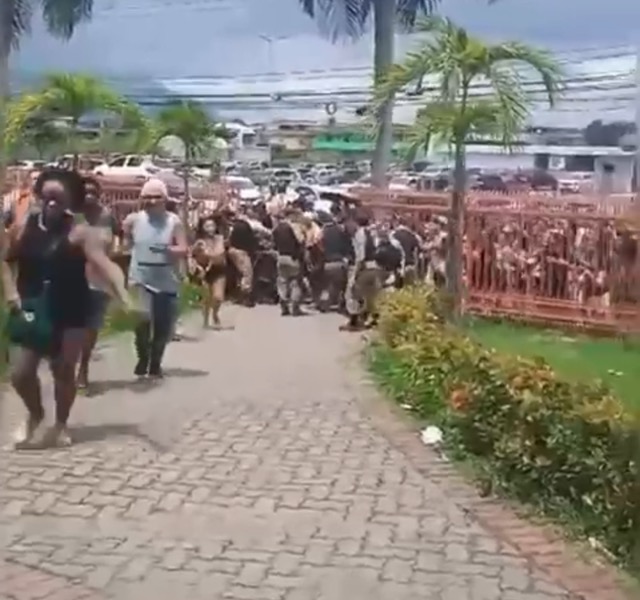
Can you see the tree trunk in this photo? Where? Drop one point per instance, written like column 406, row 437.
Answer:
column 384, row 15
column 5, row 87
column 455, row 257
column 184, row 212
column 75, row 161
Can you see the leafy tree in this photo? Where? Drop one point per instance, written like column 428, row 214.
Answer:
column 598, row 133
column 349, row 18
column 61, row 18
column 41, row 133
column 68, row 98
column 190, row 122
column 456, row 61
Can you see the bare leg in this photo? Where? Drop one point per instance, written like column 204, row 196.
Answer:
column 217, row 290
column 206, row 304
column 24, row 378
column 63, row 367
column 89, row 345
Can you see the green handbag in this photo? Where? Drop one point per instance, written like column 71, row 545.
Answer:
column 30, row 326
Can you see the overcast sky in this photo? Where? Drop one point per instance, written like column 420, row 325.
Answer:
column 132, row 40
column 221, row 37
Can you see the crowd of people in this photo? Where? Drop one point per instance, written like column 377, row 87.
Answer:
column 62, row 267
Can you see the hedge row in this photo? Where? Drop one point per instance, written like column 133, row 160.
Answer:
column 571, row 449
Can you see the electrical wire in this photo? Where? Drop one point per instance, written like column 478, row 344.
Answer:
column 154, row 7
column 364, row 95
column 313, row 74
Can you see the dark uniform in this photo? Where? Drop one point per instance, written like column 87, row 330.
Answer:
column 364, row 275
column 337, row 252
column 411, row 247
column 290, row 249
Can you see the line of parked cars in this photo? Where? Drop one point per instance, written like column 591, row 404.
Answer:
column 253, row 180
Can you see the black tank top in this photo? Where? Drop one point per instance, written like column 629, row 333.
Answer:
column 45, row 256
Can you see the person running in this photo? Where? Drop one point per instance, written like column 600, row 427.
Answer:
column 45, row 258
column 158, row 243
column 106, row 226
column 209, row 255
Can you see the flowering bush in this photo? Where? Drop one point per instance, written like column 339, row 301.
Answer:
column 570, row 448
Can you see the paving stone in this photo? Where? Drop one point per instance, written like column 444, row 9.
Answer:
column 253, row 471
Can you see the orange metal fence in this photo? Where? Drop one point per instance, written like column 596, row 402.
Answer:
column 571, row 260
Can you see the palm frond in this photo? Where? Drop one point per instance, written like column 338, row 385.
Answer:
column 63, row 16
column 339, row 18
column 413, row 70
column 541, row 62
column 190, row 122
column 72, row 96
column 434, row 25
column 17, row 13
column 409, row 11
column 19, row 111
column 444, row 123
column 512, row 99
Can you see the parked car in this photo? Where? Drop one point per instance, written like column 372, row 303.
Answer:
column 489, row 183
column 574, row 183
column 246, row 189
column 129, row 165
column 542, row 181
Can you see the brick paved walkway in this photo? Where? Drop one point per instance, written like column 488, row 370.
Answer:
column 253, row 471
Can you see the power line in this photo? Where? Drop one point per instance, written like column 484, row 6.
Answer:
column 144, row 9
column 323, row 73
column 572, row 86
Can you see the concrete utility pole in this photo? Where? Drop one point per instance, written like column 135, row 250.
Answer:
column 271, row 40
column 637, row 161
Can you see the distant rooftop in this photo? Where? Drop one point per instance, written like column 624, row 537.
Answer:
column 551, row 149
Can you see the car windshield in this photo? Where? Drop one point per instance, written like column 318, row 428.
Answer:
column 242, row 184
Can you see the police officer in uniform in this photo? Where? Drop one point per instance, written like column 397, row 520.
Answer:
column 363, row 281
column 411, row 247
column 289, row 245
column 390, row 258
column 337, row 250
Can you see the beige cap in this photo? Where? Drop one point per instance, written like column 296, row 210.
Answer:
column 154, row 187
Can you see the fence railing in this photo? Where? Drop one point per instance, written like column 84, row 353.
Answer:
column 567, row 260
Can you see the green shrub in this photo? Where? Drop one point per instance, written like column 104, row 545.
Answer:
column 571, row 449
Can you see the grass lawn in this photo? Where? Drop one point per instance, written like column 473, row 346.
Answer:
column 576, row 357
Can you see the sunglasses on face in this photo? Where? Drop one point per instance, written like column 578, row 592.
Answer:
column 152, row 197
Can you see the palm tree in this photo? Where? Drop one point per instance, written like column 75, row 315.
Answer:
column 349, row 18
column 68, row 98
column 188, row 121
column 41, row 134
column 459, row 62
column 61, row 18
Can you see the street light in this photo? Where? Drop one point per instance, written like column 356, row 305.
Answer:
column 270, row 41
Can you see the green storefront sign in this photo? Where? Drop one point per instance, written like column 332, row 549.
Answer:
column 348, row 142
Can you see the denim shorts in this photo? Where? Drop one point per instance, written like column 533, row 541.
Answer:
column 99, row 302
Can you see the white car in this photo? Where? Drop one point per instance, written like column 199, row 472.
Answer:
column 247, row 190
column 30, row 164
column 130, row 165
column 201, row 170
column 284, row 174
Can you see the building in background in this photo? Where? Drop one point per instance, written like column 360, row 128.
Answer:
column 611, row 168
